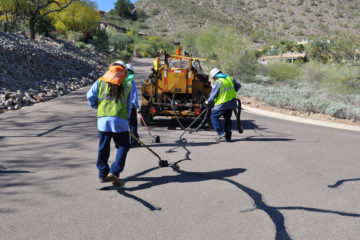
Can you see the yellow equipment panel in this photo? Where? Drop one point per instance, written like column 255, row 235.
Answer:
column 174, row 81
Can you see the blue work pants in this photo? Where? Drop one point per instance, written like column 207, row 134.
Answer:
column 122, row 145
column 215, row 120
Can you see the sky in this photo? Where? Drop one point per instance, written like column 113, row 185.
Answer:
column 107, row 5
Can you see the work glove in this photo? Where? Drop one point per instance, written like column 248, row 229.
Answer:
column 138, row 110
column 209, row 104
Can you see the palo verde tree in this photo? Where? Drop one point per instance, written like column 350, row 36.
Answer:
column 124, row 8
column 80, row 16
column 35, row 10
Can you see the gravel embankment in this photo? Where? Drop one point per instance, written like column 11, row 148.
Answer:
column 32, row 71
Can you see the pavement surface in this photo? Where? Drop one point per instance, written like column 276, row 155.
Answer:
column 277, row 180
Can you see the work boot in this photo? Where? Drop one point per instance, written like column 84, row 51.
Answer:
column 114, row 180
column 105, row 179
column 228, row 138
column 220, row 138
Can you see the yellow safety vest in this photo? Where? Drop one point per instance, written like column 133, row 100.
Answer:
column 226, row 91
column 109, row 107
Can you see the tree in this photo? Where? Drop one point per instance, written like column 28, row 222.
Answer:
column 9, row 12
column 124, row 8
column 35, row 10
column 319, row 50
column 78, row 17
column 345, row 48
column 141, row 15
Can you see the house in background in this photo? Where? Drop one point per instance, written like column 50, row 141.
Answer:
column 289, row 57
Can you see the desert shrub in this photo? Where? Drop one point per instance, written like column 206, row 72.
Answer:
column 119, row 41
column 231, row 51
column 281, row 71
column 141, row 15
column 337, row 78
column 146, row 48
column 80, row 45
column 142, row 25
column 44, row 27
column 75, row 36
column 155, row 11
column 305, row 99
column 100, row 39
column 125, row 56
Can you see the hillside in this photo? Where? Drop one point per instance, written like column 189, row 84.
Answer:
column 39, row 70
column 263, row 20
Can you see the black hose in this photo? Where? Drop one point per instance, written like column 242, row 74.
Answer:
column 237, row 114
column 188, row 128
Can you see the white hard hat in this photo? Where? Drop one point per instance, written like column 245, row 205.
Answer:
column 120, row 63
column 213, row 72
column 129, row 66
column 123, row 64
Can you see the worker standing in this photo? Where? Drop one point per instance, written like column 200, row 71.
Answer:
column 134, row 107
column 111, row 99
column 223, row 100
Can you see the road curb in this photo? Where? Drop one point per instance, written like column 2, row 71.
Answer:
column 300, row 119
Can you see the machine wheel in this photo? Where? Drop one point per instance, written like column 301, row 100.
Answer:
column 145, row 113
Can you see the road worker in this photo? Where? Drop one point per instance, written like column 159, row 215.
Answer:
column 223, row 100
column 113, row 102
column 134, row 107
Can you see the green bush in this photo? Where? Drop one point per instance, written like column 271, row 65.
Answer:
column 75, row 36
column 119, row 41
column 281, row 71
column 155, row 11
column 306, row 99
column 146, row 48
column 80, row 45
column 100, row 39
column 337, row 78
column 125, row 56
column 231, row 51
column 44, row 26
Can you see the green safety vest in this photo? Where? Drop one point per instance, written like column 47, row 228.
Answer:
column 109, row 107
column 128, row 79
column 227, row 90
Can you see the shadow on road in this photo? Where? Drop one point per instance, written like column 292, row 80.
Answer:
column 13, row 171
column 338, row 183
column 263, row 139
column 221, row 175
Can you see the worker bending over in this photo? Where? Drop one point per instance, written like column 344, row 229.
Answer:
column 134, row 107
column 113, row 104
column 223, row 100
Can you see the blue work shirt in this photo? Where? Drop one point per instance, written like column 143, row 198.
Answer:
column 110, row 124
column 215, row 92
column 134, row 99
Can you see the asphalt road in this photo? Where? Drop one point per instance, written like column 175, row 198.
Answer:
column 278, row 180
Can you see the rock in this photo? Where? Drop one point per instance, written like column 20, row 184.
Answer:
column 18, row 100
column 61, row 67
column 60, row 86
column 10, row 95
column 38, row 99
